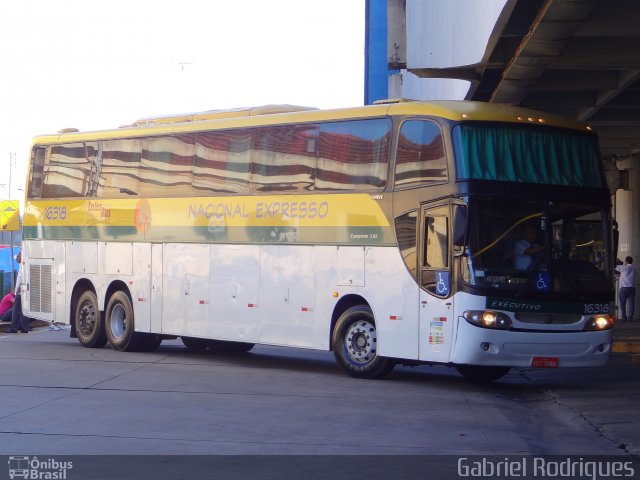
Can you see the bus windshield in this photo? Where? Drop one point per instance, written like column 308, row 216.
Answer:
column 527, row 154
column 524, row 246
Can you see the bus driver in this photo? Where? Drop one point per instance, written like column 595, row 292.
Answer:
column 526, row 248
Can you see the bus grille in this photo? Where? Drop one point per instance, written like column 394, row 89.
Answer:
column 548, row 318
column 41, row 288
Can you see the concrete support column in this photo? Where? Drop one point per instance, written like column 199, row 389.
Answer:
column 628, row 216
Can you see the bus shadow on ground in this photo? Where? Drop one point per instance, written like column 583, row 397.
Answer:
column 527, row 383
column 310, row 361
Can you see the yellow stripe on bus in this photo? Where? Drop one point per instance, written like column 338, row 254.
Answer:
column 336, row 210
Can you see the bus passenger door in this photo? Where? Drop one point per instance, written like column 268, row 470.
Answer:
column 434, row 266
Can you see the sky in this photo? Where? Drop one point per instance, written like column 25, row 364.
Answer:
column 98, row 64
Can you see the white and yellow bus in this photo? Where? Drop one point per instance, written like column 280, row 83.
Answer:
column 388, row 234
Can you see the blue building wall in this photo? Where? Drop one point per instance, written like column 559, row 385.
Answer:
column 375, row 64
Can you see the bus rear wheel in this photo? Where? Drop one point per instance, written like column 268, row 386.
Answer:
column 119, row 324
column 482, row 374
column 355, row 344
column 88, row 321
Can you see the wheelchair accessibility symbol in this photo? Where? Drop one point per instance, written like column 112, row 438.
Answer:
column 542, row 282
column 442, row 283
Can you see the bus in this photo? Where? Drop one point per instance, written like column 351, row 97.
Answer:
column 387, row 234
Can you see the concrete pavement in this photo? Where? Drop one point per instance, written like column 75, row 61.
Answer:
column 62, row 399
column 6, row 326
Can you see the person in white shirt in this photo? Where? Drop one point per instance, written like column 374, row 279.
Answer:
column 627, row 290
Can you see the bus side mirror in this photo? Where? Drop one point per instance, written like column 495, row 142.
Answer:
column 459, row 225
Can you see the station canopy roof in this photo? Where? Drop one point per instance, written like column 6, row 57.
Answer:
column 576, row 58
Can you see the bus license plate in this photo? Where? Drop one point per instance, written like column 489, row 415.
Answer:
column 544, row 362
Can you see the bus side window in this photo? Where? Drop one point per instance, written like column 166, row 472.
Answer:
column 284, row 158
column 435, row 254
column 165, row 165
column 115, row 167
column 222, row 161
column 435, row 248
column 353, row 155
column 406, row 231
column 66, row 172
column 36, row 174
column 420, row 158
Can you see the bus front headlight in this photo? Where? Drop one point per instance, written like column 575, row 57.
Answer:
column 599, row 322
column 487, row 319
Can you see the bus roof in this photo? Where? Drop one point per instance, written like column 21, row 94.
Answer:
column 455, row 110
column 219, row 114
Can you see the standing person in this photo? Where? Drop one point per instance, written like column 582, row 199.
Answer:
column 627, row 290
column 18, row 321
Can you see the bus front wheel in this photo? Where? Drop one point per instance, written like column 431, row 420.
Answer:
column 482, row 374
column 88, row 321
column 119, row 324
column 355, row 344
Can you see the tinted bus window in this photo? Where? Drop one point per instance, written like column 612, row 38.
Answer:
column 420, row 156
column 222, row 161
column 353, row 155
column 284, row 158
column 117, row 163
column 67, row 171
column 406, row 230
column 37, row 169
column 166, row 165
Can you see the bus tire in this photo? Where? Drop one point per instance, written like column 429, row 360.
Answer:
column 355, row 344
column 119, row 324
column 194, row 344
column 482, row 374
column 223, row 346
column 88, row 321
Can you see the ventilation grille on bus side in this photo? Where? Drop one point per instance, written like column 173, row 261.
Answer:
column 41, row 288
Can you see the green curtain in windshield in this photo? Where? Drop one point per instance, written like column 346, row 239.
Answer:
column 526, row 154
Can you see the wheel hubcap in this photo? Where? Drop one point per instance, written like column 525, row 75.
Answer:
column 118, row 321
column 87, row 319
column 361, row 340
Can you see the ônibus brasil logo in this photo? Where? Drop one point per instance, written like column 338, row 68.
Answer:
column 37, row 469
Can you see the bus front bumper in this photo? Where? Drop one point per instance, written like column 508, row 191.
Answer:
column 491, row 347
